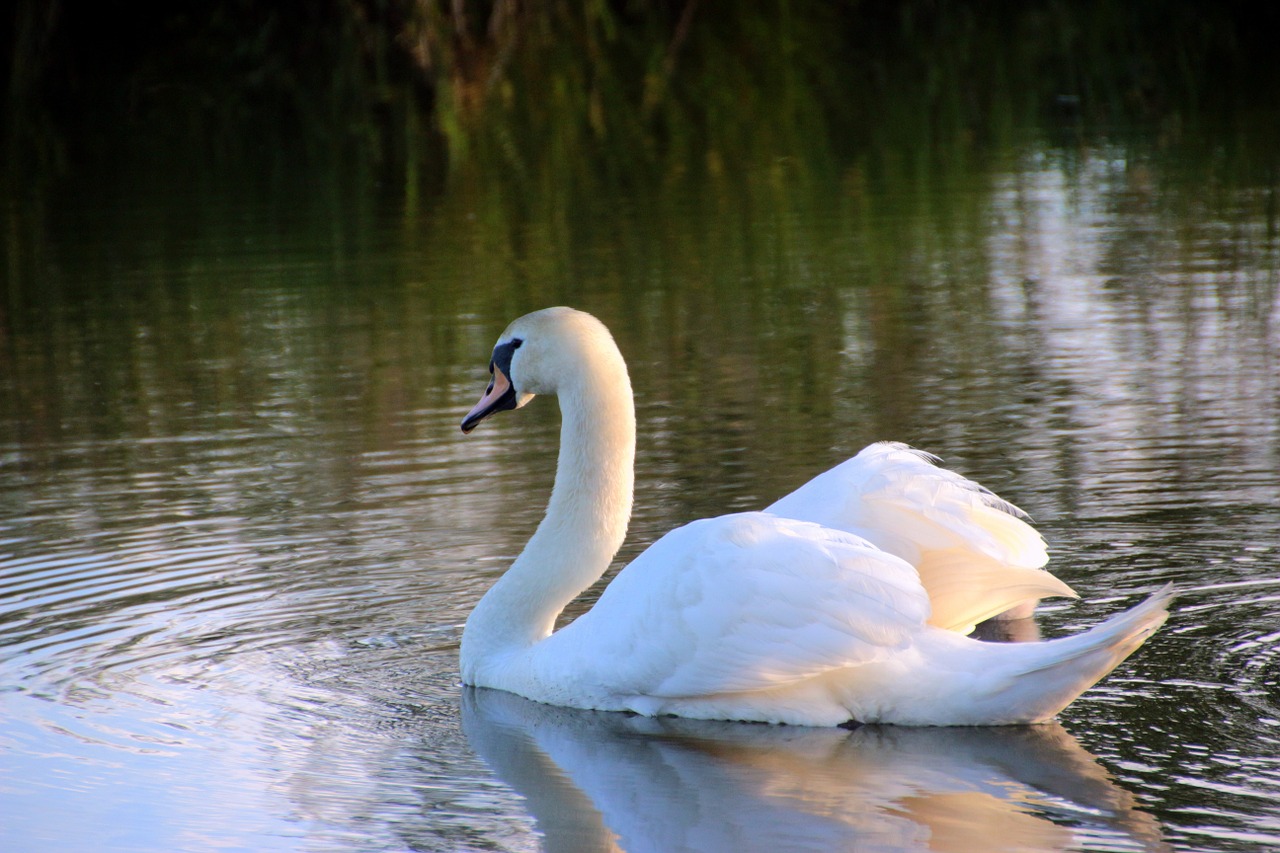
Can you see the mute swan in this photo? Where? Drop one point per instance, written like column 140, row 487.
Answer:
column 846, row 601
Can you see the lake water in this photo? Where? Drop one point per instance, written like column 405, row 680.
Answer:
column 240, row 530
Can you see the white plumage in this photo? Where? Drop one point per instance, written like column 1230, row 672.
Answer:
column 847, row 600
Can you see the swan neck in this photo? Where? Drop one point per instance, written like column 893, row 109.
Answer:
column 584, row 525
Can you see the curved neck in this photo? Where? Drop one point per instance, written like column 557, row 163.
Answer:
column 585, row 522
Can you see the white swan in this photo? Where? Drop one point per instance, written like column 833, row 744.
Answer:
column 845, row 601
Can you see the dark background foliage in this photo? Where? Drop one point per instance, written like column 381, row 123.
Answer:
column 422, row 90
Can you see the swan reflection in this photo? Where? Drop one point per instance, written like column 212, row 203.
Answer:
column 607, row 781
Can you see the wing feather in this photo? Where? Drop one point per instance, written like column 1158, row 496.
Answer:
column 747, row 602
column 976, row 553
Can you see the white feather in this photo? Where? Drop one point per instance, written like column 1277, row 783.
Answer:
column 976, row 555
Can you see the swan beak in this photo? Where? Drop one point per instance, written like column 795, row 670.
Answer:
column 500, row 396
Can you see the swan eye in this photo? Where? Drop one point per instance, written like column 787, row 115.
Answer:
column 502, row 354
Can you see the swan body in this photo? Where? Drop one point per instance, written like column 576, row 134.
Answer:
column 847, row 600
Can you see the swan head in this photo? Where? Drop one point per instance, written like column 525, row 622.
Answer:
column 546, row 352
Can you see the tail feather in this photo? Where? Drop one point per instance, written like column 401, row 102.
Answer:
column 1066, row 667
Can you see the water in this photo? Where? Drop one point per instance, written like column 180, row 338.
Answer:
column 240, row 530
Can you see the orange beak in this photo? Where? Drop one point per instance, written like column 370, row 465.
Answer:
column 499, row 396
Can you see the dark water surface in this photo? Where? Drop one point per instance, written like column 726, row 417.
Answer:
column 240, row 530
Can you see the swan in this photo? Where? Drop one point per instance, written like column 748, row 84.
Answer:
column 847, row 601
